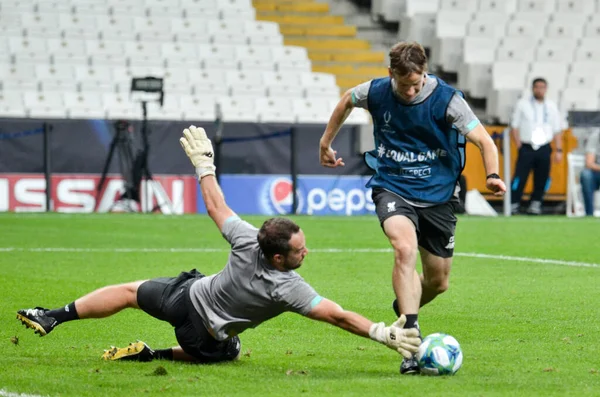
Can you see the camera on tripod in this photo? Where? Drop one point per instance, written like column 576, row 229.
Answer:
column 133, row 159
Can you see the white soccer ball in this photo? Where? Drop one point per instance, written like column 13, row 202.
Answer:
column 439, row 354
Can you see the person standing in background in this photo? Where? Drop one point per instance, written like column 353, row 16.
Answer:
column 590, row 176
column 535, row 123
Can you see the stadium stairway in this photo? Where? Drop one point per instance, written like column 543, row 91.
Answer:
column 332, row 45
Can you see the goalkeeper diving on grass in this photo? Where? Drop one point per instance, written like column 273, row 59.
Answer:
column 208, row 313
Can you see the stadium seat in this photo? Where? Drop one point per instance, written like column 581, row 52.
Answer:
column 283, row 84
column 76, row 22
column 238, row 109
column 237, row 14
column 592, row 28
column 584, row 75
column 291, row 58
column 515, row 49
column 508, row 80
column 180, row 55
column 254, row 58
column 170, row 110
column 89, row 8
column 111, row 27
column 579, row 99
column 245, row 83
column 18, row 76
column 51, row 7
column 186, row 30
column 97, row 79
column 488, row 24
column 208, row 82
column 262, row 32
column 450, row 30
column 119, row 106
column 475, row 71
column 200, row 11
column 133, row 9
column 311, row 110
column 576, row 6
column 164, row 10
column 105, row 52
column 388, row 10
column 564, row 30
column 217, row 56
column 71, row 51
column 44, row 104
column 505, row 7
column 56, row 77
column 196, row 108
column 555, row 49
column 30, row 50
column 588, row 50
column 275, row 110
column 144, row 54
column 529, row 30
column 542, row 6
column 418, row 23
column 83, row 105
column 11, row 104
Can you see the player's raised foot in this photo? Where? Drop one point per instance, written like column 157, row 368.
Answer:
column 409, row 366
column 37, row 320
column 138, row 351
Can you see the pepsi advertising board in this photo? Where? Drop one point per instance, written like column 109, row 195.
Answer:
column 317, row 195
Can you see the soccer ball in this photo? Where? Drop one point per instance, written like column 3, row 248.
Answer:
column 439, row 354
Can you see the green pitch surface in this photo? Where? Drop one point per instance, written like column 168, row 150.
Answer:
column 523, row 303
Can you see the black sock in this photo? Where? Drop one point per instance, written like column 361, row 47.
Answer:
column 411, row 321
column 396, row 308
column 64, row 314
column 163, row 354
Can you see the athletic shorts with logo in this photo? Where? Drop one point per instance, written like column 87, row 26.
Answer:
column 435, row 225
column 168, row 299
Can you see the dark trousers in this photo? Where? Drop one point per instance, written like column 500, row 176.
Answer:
column 539, row 161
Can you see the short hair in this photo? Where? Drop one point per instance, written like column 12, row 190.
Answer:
column 274, row 236
column 407, row 58
column 539, row 80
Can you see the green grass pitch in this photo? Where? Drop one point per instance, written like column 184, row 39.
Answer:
column 527, row 327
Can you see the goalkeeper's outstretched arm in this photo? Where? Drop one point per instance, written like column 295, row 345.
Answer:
column 199, row 149
column 404, row 341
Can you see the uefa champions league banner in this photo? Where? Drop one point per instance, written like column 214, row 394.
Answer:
column 317, row 195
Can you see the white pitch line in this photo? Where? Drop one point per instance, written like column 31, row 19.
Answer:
column 5, row 393
column 314, row 250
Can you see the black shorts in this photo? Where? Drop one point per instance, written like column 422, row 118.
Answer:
column 435, row 225
column 168, row 299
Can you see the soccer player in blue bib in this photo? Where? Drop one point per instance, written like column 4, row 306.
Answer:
column 421, row 125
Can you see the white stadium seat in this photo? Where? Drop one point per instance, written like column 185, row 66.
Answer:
column 275, row 109
column 556, row 49
column 579, row 99
column 418, row 22
column 515, row 49
column 450, row 30
column 508, row 80
column 217, row 56
column 84, row 105
column 254, row 58
column 584, row 75
column 11, row 104
column 576, row 6
column 544, row 6
column 198, row 108
column 44, row 104
column 238, row 109
column 588, row 50
column 311, row 110
column 475, row 71
column 245, row 83
column 506, row 7
column 56, row 77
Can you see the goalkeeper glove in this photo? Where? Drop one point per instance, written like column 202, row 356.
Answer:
column 199, row 149
column 404, row 341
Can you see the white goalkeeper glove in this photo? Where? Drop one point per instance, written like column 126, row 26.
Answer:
column 199, row 149
column 405, row 341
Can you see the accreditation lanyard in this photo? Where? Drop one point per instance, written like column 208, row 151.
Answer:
column 535, row 113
